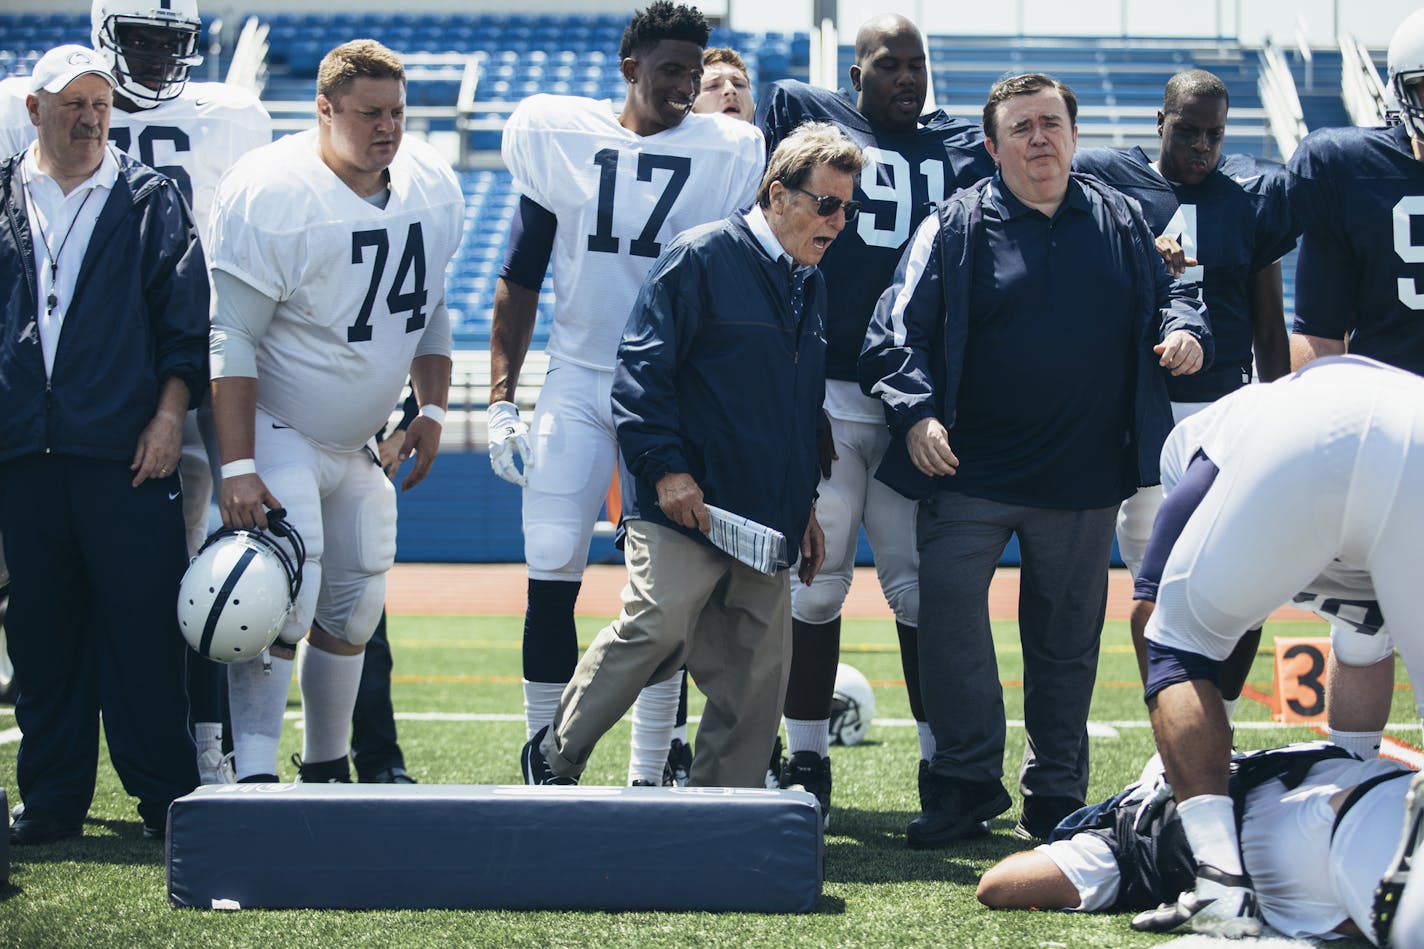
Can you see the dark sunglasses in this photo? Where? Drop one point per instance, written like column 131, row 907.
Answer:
column 828, row 204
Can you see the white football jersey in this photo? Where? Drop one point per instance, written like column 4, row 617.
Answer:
column 192, row 139
column 360, row 289
column 619, row 198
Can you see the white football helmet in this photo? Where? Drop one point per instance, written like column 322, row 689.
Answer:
column 1406, row 71
column 852, row 706
column 238, row 590
column 153, row 45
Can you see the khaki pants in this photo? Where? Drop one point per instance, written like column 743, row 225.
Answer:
column 686, row 602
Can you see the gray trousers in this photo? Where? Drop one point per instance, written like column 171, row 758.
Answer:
column 1062, row 599
column 686, row 602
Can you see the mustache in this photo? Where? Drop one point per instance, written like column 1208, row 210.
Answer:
column 85, row 132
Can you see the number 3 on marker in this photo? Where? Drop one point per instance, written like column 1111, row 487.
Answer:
column 1300, row 678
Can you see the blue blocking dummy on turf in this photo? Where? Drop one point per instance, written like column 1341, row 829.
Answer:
column 426, row 846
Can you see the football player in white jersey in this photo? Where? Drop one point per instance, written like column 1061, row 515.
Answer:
column 192, row 132
column 603, row 189
column 1303, row 484
column 327, row 252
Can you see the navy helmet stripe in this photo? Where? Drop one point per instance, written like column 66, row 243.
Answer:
column 220, row 601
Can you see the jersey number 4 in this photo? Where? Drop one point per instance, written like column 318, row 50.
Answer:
column 645, row 244
column 410, row 301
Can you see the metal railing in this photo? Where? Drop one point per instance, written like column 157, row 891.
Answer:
column 1279, row 97
column 1360, row 87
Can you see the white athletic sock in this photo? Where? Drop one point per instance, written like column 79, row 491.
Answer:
column 1209, row 822
column 1230, row 705
column 653, row 715
column 927, row 742
column 207, row 735
column 541, row 701
column 329, row 683
column 808, row 735
column 1363, row 744
column 258, row 699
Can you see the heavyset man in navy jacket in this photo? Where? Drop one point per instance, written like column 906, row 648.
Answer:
column 716, row 397
column 103, row 348
column 1023, row 317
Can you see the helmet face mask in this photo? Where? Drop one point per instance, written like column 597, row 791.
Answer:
column 153, row 46
column 1406, row 72
column 852, row 706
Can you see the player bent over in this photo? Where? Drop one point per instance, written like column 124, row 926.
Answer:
column 1313, row 474
column 328, row 253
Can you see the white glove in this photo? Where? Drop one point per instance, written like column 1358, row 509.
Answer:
column 508, row 439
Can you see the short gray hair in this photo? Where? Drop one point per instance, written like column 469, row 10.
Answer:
column 800, row 153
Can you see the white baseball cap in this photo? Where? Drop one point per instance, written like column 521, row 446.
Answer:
column 64, row 64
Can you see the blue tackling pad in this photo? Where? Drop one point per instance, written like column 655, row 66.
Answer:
column 430, row 846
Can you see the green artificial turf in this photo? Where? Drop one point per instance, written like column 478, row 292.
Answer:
column 108, row 888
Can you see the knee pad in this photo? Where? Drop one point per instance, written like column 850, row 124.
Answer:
column 376, row 532
column 350, row 609
column 299, row 620
column 905, row 603
column 821, row 601
column 1353, row 647
column 556, row 544
column 1134, row 525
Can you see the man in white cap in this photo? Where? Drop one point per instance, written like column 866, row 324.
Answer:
column 102, row 252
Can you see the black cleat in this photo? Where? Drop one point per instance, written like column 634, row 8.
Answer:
column 679, row 764
column 335, row 771
column 395, row 775
column 536, row 769
column 37, row 829
column 775, row 766
column 810, row 772
column 1220, row 904
column 952, row 809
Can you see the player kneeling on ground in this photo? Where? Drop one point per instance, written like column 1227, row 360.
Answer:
column 727, row 329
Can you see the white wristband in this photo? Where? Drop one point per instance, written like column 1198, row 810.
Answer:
column 433, row 412
column 243, row 466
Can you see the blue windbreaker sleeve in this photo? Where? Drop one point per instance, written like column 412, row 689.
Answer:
column 895, row 360
column 177, row 288
column 660, row 329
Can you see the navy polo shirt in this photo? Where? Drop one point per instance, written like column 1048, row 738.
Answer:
column 1045, row 400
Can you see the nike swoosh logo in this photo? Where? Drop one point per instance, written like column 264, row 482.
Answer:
column 1246, row 181
column 201, row 101
column 275, row 425
column 173, row 495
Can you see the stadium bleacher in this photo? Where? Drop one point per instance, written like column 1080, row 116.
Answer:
column 1118, row 82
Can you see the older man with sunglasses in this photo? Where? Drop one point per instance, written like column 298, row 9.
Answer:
column 716, row 396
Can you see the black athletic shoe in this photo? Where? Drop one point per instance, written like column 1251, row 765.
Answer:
column 395, row 775
column 335, row 771
column 952, row 809
column 1042, row 813
column 640, row 783
column 1220, row 904
column 810, row 772
column 38, row 829
column 536, row 769
column 775, row 766
column 154, row 832
column 259, row 779
column 679, row 764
